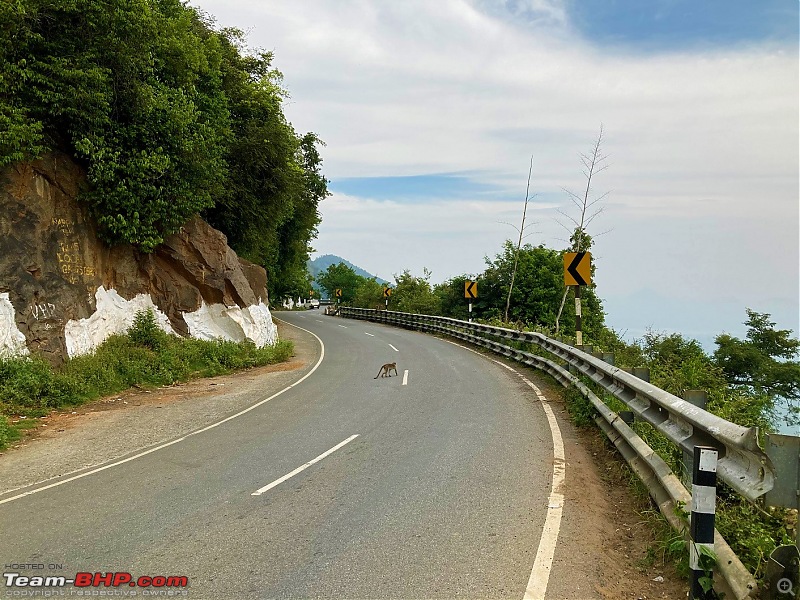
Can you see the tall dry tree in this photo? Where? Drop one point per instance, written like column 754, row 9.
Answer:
column 522, row 235
column 593, row 163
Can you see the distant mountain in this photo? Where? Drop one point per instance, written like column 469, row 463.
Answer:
column 321, row 263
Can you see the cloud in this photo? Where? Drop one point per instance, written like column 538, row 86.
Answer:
column 538, row 14
column 388, row 236
column 702, row 145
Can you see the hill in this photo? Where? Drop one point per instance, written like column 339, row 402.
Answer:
column 321, row 263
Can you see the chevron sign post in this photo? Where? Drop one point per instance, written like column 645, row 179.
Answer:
column 470, row 293
column 578, row 272
column 577, row 268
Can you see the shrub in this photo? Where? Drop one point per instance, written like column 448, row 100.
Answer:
column 145, row 356
column 579, row 407
column 145, row 331
column 7, row 434
column 30, row 386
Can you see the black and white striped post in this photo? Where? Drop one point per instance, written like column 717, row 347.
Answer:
column 704, row 500
column 578, row 327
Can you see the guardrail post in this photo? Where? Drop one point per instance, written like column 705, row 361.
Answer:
column 784, row 452
column 704, row 500
column 698, row 398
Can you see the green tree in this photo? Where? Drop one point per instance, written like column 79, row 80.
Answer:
column 169, row 117
column 762, row 361
column 268, row 209
column 296, row 233
column 678, row 364
column 538, row 287
column 134, row 93
column 340, row 276
column 452, row 301
column 369, row 294
column 414, row 294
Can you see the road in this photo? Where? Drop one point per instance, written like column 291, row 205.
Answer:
column 443, row 493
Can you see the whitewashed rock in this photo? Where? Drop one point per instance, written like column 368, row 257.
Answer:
column 12, row 340
column 217, row 321
column 114, row 314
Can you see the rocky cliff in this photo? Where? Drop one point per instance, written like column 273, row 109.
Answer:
column 62, row 290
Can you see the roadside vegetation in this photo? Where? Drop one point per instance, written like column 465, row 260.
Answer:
column 753, row 381
column 678, row 364
column 145, row 356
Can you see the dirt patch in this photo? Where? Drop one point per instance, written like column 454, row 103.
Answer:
column 617, row 527
column 107, row 429
column 58, row 421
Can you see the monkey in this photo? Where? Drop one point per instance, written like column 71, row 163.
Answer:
column 384, row 370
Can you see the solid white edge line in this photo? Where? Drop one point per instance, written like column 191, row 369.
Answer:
column 162, row 446
column 302, row 468
column 542, row 566
column 369, row 334
column 405, row 377
column 393, row 348
column 543, row 563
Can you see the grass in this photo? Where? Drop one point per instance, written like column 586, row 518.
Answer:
column 145, row 356
column 752, row 533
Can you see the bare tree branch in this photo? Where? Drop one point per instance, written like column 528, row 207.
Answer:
column 563, row 214
column 593, row 163
column 519, row 242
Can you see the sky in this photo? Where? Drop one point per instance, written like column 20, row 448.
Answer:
column 432, row 110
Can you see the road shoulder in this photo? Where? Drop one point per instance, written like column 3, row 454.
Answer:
column 604, row 522
column 67, row 441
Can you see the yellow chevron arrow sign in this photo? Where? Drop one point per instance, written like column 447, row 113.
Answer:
column 577, row 268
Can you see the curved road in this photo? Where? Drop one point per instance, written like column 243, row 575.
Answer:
column 442, row 494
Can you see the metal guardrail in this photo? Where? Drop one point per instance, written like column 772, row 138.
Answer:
column 747, row 468
column 743, row 465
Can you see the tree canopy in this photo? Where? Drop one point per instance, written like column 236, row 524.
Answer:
column 414, row 294
column 342, row 277
column 170, row 117
column 538, row 289
column 762, row 360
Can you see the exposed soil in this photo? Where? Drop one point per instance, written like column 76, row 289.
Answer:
column 617, row 526
column 97, row 432
column 58, row 421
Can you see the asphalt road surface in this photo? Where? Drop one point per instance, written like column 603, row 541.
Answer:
column 443, row 493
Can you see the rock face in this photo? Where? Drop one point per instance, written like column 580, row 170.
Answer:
column 62, row 290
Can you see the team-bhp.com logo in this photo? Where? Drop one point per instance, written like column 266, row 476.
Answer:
column 98, row 580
